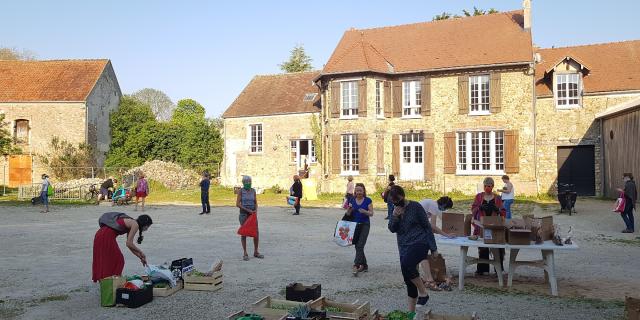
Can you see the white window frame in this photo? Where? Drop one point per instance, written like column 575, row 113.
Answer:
column 567, row 79
column 379, row 98
column 259, row 142
column 351, row 141
column 294, row 145
column 411, row 108
column 481, row 111
column 352, row 100
column 464, row 161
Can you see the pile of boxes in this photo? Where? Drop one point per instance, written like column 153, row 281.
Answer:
column 495, row 230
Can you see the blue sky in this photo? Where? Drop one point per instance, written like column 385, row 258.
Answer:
column 209, row 50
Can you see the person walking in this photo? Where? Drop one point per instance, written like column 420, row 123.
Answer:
column 360, row 208
column 142, row 190
column 486, row 203
column 44, row 193
column 631, row 196
column 296, row 191
column 204, row 193
column 247, row 202
column 385, row 196
column 508, row 195
column 415, row 239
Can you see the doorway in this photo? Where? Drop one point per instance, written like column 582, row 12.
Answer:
column 412, row 157
column 303, row 152
column 576, row 165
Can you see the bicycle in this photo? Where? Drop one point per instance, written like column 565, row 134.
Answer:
column 92, row 194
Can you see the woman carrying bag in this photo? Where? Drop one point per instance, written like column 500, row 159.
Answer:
column 248, row 204
column 360, row 209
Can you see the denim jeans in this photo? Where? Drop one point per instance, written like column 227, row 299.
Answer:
column 204, row 198
column 390, row 208
column 507, row 206
column 627, row 216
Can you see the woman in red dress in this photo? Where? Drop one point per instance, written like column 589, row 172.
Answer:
column 107, row 257
column 486, row 203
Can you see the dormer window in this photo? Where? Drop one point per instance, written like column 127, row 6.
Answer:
column 567, row 90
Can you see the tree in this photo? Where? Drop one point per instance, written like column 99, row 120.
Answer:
column 476, row 12
column 188, row 110
column 68, row 161
column 15, row 54
column 299, row 61
column 130, row 126
column 161, row 105
column 442, row 16
column 6, row 141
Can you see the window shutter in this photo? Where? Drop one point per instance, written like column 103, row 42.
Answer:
column 336, row 154
column 512, row 152
column 463, row 94
column 387, row 100
column 425, row 109
column 380, row 154
column 397, row 99
column 429, row 159
column 395, row 155
column 363, row 165
column 449, row 152
column 495, row 92
column 362, row 98
column 335, row 99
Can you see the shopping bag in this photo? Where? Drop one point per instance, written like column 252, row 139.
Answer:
column 344, row 233
column 291, row 200
column 438, row 268
column 345, row 204
column 108, row 288
column 250, row 226
column 620, row 204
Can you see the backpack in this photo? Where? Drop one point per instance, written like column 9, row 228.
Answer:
column 110, row 219
column 50, row 190
column 142, row 185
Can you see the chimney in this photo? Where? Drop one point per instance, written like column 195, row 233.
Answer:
column 526, row 6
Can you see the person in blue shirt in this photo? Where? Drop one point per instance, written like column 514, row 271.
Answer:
column 204, row 193
column 360, row 209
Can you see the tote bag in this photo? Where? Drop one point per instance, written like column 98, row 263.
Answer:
column 250, row 226
column 620, row 204
column 344, row 233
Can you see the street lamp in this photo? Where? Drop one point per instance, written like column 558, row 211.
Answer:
column 4, row 175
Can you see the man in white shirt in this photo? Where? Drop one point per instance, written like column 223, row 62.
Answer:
column 434, row 210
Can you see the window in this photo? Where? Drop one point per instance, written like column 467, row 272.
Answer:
column 411, row 98
column 567, row 92
column 309, row 97
column 480, row 152
column 300, row 149
column 294, row 151
column 479, row 94
column 21, row 131
column 256, row 138
column 379, row 98
column 350, row 153
column 349, row 99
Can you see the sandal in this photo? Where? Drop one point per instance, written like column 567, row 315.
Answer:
column 444, row 286
column 432, row 285
column 257, row 255
column 245, row 257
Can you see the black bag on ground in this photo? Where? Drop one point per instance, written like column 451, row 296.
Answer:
column 36, row 200
column 134, row 298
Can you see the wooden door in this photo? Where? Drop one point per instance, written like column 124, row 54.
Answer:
column 19, row 170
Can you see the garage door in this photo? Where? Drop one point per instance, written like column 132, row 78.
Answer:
column 576, row 165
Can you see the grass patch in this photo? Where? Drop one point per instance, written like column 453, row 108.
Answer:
column 628, row 242
column 60, row 297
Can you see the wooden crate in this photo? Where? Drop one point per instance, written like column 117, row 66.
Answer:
column 266, row 316
column 165, row 292
column 354, row 311
column 633, row 308
column 212, row 283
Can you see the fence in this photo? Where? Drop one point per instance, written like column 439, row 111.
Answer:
column 33, row 190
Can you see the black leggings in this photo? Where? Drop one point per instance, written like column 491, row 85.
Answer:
column 409, row 265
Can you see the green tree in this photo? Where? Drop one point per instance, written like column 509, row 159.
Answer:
column 7, row 145
column 68, row 161
column 131, row 126
column 466, row 13
column 299, row 61
column 188, row 110
column 443, row 16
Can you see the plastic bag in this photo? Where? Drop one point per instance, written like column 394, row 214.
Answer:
column 344, row 234
column 157, row 274
column 620, row 204
column 250, row 227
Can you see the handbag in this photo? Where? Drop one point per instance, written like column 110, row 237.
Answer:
column 250, row 226
column 620, row 204
column 344, row 233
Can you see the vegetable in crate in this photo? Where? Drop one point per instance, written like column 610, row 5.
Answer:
column 399, row 315
column 299, row 312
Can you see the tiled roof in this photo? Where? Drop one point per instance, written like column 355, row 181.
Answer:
column 611, row 66
column 276, row 94
column 455, row 43
column 53, row 80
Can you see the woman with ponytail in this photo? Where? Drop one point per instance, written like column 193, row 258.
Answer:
column 107, row 258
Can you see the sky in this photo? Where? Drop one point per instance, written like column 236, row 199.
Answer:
column 209, row 50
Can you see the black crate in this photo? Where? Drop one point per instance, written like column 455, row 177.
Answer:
column 181, row 266
column 299, row 292
column 134, row 298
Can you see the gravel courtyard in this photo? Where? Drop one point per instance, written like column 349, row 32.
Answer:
column 45, row 263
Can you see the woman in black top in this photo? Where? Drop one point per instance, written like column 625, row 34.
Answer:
column 296, row 191
column 415, row 239
column 631, row 196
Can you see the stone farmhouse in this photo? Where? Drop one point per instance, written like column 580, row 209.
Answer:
column 443, row 104
column 68, row 99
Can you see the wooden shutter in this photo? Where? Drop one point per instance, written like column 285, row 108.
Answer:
column 362, row 98
column 425, row 94
column 429, row 159
column 495, row 91
column 449, row 152
column 463, row 94
column 395, row 155
column 336, row 154
column 387, row 100
column 363, row 164
column 380, row 154
column 397, row 99
column 511, row 153
column 335, row 99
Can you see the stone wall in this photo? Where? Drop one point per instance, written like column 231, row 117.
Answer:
column 570, row 127
column 273, row 166
column 516, row 114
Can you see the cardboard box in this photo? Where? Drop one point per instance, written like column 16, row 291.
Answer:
column 299, row 292
column 632, row 305
column 519, row 237
column 544, row 224
column 453, row 223
column 493, row 230
column 467, row 225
